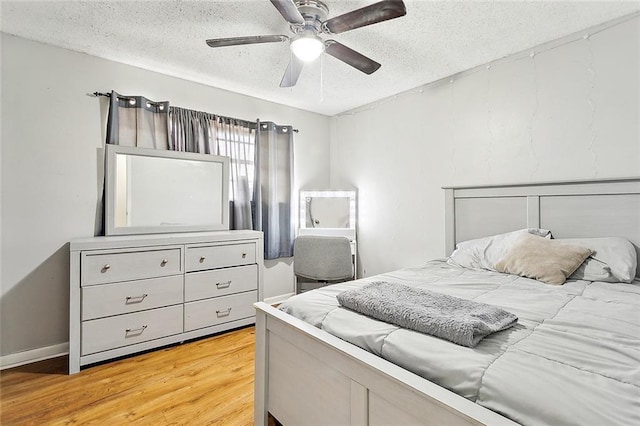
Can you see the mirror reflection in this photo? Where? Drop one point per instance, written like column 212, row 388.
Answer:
column 328, row 209
column 167, row 192
column 329, row 212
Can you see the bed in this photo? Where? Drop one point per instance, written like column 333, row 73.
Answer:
column 572, row 358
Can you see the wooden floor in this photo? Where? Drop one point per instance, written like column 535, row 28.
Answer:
column 204, row 382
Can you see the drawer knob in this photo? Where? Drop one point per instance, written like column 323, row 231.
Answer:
column 202, row 258
column 224, row 285
column 106, row 267
column 164, row 262
column 244, row 255
column 136, row 331
column 223, row 313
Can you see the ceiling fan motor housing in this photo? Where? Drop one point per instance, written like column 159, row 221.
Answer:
column 314, row 13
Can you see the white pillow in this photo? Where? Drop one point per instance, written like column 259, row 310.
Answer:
column 484, row 253
column 614, row 260
column 594, row 270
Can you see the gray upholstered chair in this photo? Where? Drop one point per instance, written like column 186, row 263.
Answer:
column 321, row 260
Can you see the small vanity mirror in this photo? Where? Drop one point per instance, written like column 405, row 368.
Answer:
column 326, row 210
column 157, row 191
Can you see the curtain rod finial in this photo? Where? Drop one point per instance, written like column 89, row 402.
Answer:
column 97, row 94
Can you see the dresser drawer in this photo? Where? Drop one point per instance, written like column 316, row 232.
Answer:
column 221, row 256
column 130, row 296
column 220, row 282
column 98, row 268
column 123, row 330
column 205, row 313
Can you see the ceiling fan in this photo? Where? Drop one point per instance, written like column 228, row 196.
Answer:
column 308, row 19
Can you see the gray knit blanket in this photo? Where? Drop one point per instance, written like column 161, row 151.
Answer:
column 461, row 321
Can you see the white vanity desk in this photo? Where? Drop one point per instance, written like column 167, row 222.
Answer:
column 138, row 292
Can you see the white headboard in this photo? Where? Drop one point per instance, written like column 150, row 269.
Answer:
column 594, row 208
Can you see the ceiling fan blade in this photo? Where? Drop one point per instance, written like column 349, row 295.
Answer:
column 292, row 73
column 289, row 11
column 351, row 57
column 236, row 41
column 372, row 14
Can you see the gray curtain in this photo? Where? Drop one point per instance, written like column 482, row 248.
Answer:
column 137, row 121
column 273, row 190
column 191, row 131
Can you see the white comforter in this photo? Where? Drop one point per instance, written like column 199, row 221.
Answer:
column 573, row 358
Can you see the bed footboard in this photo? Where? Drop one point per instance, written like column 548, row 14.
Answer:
column 307, row 376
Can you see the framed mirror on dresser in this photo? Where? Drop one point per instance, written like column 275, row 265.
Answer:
column 169, row 269
column 151, row 191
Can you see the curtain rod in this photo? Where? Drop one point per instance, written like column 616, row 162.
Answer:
column 108, row 95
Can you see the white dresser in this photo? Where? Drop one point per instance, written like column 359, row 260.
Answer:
column 134, row 293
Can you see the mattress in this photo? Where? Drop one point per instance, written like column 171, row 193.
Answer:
column 573, row 358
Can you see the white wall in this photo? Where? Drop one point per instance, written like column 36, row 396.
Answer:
column 570, row 112
column 52, row 168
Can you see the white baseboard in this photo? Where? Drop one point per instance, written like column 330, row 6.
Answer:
column 278, row 299
column 33, row 355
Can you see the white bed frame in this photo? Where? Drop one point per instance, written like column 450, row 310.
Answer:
column 307, row 376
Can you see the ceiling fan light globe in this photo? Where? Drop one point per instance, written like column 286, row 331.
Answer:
column 307, row 49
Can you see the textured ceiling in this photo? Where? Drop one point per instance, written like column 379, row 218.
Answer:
column 434, row 40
